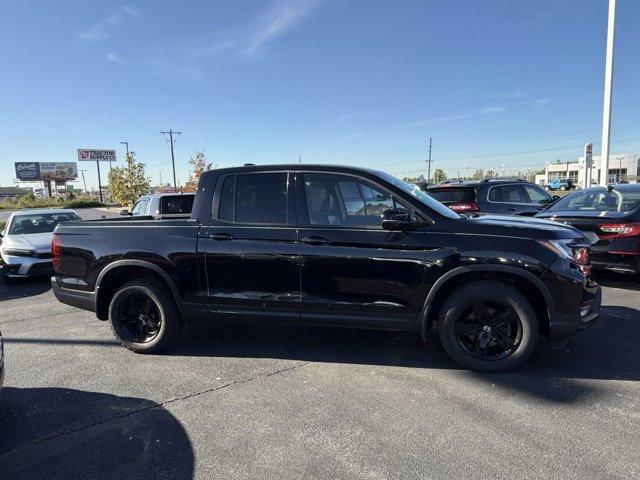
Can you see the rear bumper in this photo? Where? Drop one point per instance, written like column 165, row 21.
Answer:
column 75, row 298
column 566, row 325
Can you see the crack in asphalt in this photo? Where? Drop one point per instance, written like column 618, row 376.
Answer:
column 19, row 320
column 158, row 405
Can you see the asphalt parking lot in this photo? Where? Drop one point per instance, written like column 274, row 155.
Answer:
column 237, row 401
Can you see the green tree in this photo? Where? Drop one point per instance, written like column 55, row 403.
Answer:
column 199, row 165
column 478, row 175
column 439, row 175
column 128, row 183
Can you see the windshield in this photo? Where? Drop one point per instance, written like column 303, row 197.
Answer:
column 39, row 223
column 415, row 191
column 599, row 200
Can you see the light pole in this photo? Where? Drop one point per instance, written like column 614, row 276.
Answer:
column 127, row 145
column 608, row 93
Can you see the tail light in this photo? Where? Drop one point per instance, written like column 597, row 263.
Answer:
column 56, row 252
column 619, row 230
column 465, row 207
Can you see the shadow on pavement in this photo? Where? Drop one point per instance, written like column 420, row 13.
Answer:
column 65, row 433
column 624, row 281
column 23, row 288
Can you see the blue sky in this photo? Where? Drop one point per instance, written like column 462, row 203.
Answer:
column 359, row 82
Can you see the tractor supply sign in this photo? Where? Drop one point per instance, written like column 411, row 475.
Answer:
column 47, row 171
column 93, row 155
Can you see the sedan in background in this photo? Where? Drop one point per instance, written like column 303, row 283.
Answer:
column 610, row 218
column 26, row 242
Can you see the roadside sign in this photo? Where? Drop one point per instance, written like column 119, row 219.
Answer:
column 96, row 155
column 38, row 171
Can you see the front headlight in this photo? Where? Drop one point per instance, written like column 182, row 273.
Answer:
column 16, row 252
column 559, row 247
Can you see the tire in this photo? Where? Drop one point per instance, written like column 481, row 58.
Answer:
column 149, row 299
column 465, row 338
column 563, row 188
column 546, row 187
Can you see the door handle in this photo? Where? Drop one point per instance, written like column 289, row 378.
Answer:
column 221, row 236
column 512, row 209
column 314, row 240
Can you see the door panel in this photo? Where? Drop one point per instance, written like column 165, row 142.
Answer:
column 252, row 254
column 352, row 271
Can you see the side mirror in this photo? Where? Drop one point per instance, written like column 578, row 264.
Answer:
column 396, row 219
column 556, row 198
column 125, row 212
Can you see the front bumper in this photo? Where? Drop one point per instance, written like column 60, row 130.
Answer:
column 21, row 267
column 76, row 298
column 565, row 325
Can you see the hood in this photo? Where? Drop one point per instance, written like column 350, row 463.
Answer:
column 523, row 227
column 581, row 214
column 41, row 242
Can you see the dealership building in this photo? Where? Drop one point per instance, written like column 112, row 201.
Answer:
column 622, row 168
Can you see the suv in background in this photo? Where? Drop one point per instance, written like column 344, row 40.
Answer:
column 560, row 184
column 506, row 197
column 165, row 205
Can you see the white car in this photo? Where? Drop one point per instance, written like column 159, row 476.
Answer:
column 26, row 242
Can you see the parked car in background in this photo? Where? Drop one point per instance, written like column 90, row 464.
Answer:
column 610, row 218
column 331, row 245
column 1, row 361
column 561, row 184
column 26, row 242
column 163, row 205
column 506, row 197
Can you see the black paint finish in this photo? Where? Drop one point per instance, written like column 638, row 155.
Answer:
column 329, row 274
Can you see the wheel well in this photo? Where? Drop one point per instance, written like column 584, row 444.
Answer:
column 527, row 288
column 117, row 277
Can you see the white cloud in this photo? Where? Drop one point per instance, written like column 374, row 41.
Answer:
column 454, row 117
column 112, row 57
column 357, row 134
column 102, row 29
column 541, row 102
column 250, row 41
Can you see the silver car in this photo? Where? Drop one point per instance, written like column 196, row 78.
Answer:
column 26, row 242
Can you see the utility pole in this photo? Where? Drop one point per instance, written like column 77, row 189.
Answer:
column 299, row 158
column 83, row 180
column 171, row 133
column 608, row 93
column 429, row 162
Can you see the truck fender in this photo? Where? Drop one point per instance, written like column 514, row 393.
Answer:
column 425, row 320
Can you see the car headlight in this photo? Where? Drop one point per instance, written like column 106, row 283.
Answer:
column 560, row 247
column 16, row 252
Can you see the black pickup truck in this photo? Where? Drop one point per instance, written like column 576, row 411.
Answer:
column 335, row 246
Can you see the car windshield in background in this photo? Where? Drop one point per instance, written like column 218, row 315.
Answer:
column 39, row 223
column 599, row 200
column 415, row 191
column 453, row 195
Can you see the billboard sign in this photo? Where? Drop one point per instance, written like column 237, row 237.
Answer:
column 47, row 171
column 28, row 171
column 95, row 155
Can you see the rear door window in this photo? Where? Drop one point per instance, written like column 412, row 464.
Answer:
column 512, row 193
column 254, row 198
column 537, row 195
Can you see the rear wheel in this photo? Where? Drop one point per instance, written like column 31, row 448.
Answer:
column 488, row 326
column 563, row 188
column 144, row 317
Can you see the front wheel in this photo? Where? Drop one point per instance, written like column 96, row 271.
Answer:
column 143, row 315
column 488, row 326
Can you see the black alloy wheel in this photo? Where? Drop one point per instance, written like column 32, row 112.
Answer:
column 139, row 318
column 488, row 330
